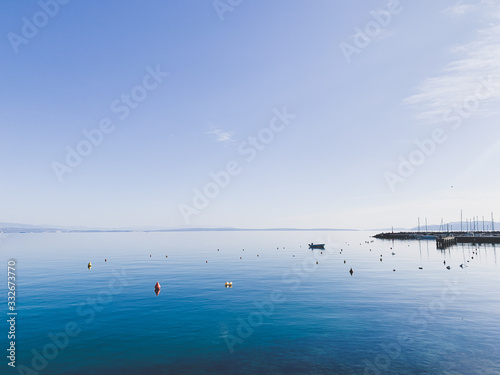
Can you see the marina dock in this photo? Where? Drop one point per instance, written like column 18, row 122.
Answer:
column 445, row 239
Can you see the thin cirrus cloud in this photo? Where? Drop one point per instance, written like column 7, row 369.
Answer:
column 476, row 68
column 458, row 9
column 220, row 135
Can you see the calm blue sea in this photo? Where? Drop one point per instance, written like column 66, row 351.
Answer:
column 290, row 310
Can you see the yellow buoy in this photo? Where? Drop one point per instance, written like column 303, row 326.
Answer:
column 90, row 265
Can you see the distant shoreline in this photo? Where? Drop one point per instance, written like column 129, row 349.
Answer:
column 57, row 230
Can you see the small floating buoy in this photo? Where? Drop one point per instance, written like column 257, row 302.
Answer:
column 89, row 265
column 150, row 255
column 217, row 249
column 381, row 259
column 393, row 253
column 344, row 261
column 229, row 284
column 157, row 286
column 420, row 268
column 206, row 261
column 257, row 254
column 321, row 252
column 316, row 262
column 393, row 270
column 444, row 261
column 166, row 256
column 105, row 260
column 448, row 267
column 351, row 271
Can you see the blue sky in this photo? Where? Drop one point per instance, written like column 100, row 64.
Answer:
column 359, row 82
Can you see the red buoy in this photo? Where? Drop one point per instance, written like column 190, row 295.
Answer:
column 157, row 286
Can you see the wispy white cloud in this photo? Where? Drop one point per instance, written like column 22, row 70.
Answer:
column 459, row 9
column 220, row 135
column 477, row 61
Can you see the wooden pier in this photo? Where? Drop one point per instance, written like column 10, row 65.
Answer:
column 444, row 242
column 478, row 239
column 445, row 239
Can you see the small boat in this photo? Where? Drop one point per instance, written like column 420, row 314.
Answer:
column 316, row 246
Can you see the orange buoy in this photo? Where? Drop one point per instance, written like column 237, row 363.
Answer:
column 157, row 286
